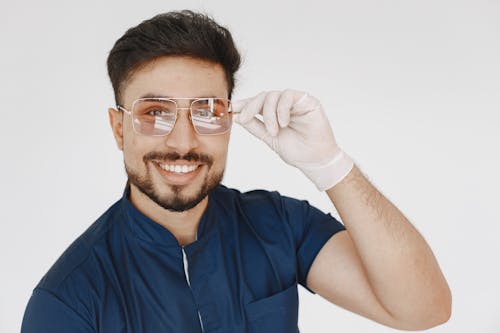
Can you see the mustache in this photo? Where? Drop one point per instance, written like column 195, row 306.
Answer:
column 174, row 156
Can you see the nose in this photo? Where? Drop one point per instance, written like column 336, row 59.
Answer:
column 183, row 137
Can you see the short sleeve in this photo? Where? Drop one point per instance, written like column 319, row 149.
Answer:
column 312, row 229
column 45, row 313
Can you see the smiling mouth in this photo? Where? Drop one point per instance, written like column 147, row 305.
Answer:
column 179, row 168
column 178, row 173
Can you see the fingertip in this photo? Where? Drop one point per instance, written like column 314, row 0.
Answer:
column 236, row 106
column 236, row 118
column 269, row 112
column 284, row 106
column 283, row 119
column 272, row 128
column 283, row 124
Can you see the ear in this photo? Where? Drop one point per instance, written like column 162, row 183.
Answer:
column 116, row 123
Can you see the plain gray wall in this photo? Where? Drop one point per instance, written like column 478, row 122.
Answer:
column 411, row 89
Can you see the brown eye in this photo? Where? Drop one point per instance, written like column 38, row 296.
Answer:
column 203, row 112
column 156, row 112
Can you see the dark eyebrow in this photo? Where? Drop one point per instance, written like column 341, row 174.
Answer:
column 149, row 95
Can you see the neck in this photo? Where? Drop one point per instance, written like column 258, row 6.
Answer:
column 183, row 225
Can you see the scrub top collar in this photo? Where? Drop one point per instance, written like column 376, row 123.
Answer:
column 148, row 230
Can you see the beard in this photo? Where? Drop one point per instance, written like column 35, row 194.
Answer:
column 177, row 201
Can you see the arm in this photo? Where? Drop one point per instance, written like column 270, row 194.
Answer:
column 380, row 267
column 383, row 258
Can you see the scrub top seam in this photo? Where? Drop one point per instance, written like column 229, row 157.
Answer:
column 89, row 250
column 67, row 305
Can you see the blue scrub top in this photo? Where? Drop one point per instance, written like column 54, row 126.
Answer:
column 127, row 273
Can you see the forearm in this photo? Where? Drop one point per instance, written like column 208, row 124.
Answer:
column 399, row 264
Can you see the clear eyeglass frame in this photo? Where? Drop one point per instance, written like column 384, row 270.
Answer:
column 194, row 119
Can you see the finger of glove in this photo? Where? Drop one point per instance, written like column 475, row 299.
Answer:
column 305, row 103
column 237, row 107
column 257, row 128
column 269, row 112
column 250, row 107
column 285, row 104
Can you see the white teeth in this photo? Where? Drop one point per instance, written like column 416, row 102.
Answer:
column 178, row 168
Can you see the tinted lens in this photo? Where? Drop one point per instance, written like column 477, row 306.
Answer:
column 154, row 117
column 211, row 115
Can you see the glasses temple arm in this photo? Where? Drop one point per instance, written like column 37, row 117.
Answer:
column 121, row 108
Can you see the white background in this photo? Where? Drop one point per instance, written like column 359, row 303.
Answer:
column 412, row 89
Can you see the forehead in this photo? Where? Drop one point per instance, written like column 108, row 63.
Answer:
column 176, row 77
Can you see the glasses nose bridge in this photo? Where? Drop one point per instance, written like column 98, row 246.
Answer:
column 188, row 114
column 180, row 108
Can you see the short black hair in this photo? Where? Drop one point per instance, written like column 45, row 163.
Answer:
column 176, row 33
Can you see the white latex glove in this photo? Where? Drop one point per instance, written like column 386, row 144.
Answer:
column 296, row 127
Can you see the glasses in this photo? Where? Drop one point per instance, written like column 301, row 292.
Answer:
column 157, row 116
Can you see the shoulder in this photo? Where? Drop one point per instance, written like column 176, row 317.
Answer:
column 263, row 208
column 75, row 259
column 257, row 198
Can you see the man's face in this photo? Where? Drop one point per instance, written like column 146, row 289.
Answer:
column 147, row 157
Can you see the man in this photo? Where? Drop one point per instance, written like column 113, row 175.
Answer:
column 182, row 253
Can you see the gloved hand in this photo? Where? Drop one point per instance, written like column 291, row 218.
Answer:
column 296, row 127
